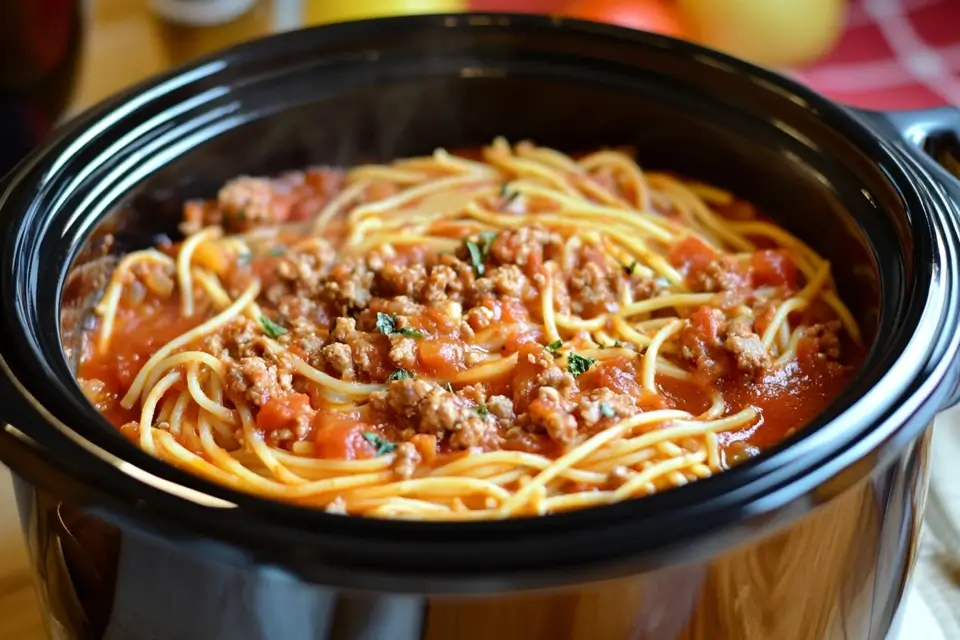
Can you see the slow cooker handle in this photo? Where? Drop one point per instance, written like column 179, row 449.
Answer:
column 925, row 135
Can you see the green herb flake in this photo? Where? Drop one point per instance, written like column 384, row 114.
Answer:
column 554, row 346
column 577, row 364
column 486, row 239
column 630, row 268
column 503, row 190
column 271, row 328
column 245, row 258
column 476, row 257
column 480, row 250
column 386, row 324
column 381, row 444
column 607, row 411
column 400, row 374
column 513, row 196
column 277, row 251
column 482, row 411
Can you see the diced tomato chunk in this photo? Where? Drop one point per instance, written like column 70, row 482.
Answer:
column 691, row 254
column 340, row 437
column 616, row 374
column 773, row 268
column 283, row 412
column 440, row 358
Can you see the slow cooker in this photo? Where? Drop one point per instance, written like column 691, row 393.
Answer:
column 815, row 539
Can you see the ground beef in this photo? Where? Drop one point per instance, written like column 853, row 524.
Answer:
column 403, row 352
column 443, row 283
column 400, row 306
column 366, row 350
column 726, row 273
column 406, row 461
column 720, row 347
column 544, row 372
column 338, row 358
column 347, row 288
column 552, row 413
column 827, row 338
column 603, row 404
column 246, row 202
column 751, row 356
column 257, row 369
column 400, row 280
column 524, row 246
column 304, row 271
column 502, row 408
column 429, row 408
column 479, row 318
column 592, row 290
column 507, row 280
column 701, row 342
column 258, row 380
column 292, row 308
column 646, row 288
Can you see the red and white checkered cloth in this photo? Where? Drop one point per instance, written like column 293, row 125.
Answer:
column 894, row 54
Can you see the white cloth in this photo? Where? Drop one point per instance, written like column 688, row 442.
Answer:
column 934, row 604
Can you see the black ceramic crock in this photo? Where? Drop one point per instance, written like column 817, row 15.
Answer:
column 814, row 539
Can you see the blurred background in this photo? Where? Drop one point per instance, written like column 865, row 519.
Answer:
column 58, row 57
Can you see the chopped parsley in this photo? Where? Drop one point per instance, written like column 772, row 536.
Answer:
column 577, row 364
column 277, row 251
column 482, row 411
column 381, row 444
column 387, row 324
column 400, row 374
column 630, row 268
column 607, row 411
column 476, row 257
column 554, row 346
column 245, row 257
column 513, row 195
column 479, row 251
column 271, row 328
column 487, row 238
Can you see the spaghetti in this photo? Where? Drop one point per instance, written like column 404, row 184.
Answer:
column 461, row 338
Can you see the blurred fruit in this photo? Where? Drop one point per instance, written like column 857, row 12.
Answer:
column 769, row 32
column 660, row 16
column 325, row 11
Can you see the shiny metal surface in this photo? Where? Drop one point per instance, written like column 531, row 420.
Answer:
column 838, row 573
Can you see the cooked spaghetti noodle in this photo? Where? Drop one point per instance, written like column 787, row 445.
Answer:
column 463, row 338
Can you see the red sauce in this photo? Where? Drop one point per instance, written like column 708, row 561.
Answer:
column 444, row 347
